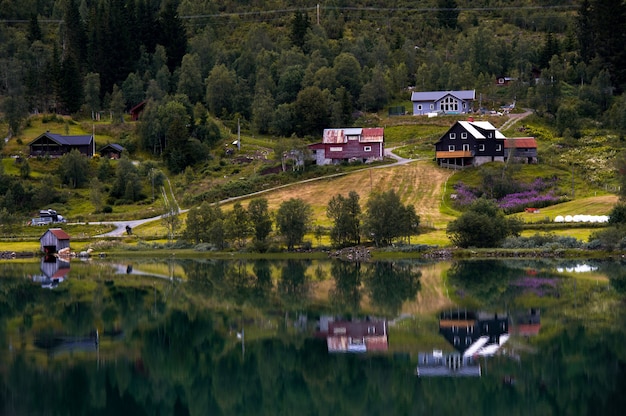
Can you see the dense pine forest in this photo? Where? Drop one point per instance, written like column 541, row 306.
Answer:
column 291, row 69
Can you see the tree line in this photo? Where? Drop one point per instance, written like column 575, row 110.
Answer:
column 384, row 221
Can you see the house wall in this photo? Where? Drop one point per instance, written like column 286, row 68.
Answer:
column 335, row 153
column 426, row 107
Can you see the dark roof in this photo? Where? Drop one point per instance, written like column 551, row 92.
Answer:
column 66, row 140
column 114, row 146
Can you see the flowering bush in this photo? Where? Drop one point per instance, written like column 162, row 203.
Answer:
column 463, row 196
column 518, row 201
column 533, row 195
column 537, row 285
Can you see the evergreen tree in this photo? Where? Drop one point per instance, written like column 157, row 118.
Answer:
column 299, row 26
column 34, row 31
column 172, row 34
column 447, row 13
column 70, row 85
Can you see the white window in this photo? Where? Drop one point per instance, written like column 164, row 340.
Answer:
column 419, row 106
column 498, row 147
column 466, row 147
column 464, row 135
column 481, row 147
column 336, row 149
column 451, row 148
column 452, row 136
column 490, row 135
column 367, row 148
column 432, row 106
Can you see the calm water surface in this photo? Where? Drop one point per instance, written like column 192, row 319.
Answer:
column 191, row 337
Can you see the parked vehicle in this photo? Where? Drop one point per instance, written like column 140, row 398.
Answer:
column 46, row 217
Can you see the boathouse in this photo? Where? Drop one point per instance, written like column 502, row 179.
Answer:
column 54, row 240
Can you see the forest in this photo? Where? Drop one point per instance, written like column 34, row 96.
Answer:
column 283, row 70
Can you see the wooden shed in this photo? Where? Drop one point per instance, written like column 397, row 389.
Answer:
column 112, row 151
column 54, row 240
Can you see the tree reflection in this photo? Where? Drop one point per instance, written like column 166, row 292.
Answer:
column 390, row 284
column 346, row 296
column 294, row 285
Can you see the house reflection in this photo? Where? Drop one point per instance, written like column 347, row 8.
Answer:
column 54, row 270
column 356, row 336
column 473, row 335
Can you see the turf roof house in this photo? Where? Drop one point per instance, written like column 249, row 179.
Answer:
column 57, row 145
column 449, row 102
column 349, row 144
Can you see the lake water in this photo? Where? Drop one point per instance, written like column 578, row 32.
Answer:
column 294, row 337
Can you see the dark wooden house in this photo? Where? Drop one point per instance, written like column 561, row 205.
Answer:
column 470, row 143
column 349, row 144
column 54, row 240
column 57, row 145
column 112, row 151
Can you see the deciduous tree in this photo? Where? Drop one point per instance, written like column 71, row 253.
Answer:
column 345, row 214
column 293, row 220
column 482, row 225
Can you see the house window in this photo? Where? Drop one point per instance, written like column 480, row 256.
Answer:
column 468, row 340
column 449, row 104
column 452, row 136
column 432, row 106
column 481, row 147
column 336, row 149
column 490, row 135
column 456, row 340
column 464, row 135
column 367, row 148
column 498, row 147
column 419, row 106
column 371, row 330
column 466, row 147
column 451, row 148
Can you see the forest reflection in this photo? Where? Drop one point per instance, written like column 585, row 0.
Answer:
column 254, row 337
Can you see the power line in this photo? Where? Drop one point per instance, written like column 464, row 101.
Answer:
column 260, row 13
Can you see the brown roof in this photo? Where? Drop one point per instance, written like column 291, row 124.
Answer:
column 374, row 134
column 333, row 136
column 59, row 233
column 521, row 142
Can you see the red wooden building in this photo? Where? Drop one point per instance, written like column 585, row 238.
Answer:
column 349, row 145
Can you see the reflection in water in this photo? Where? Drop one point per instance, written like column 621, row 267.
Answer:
column 577, row 268
column 180, row 352
column 54, row 270
column 438, row 364
column 357, row 336
column 474, row 334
